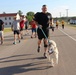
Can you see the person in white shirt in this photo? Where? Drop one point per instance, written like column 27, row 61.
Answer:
column 1, row 30
column 16, row 29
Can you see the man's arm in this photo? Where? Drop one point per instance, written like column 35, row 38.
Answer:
column 2, row 25
column 50, row 20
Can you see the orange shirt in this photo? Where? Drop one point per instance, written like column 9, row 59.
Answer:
column 56, row 23
column 62, row 22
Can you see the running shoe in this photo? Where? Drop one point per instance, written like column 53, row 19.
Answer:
column 45, row 55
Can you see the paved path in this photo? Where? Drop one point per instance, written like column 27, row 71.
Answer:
column 23, row 59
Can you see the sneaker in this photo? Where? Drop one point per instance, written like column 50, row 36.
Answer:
column 14, row 43
column 19, row 41
column 31, row 37
column 38, row 50
column 1, row 42
column 21, row 37
column 45, row 56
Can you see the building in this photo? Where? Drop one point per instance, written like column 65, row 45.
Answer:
column 72, row 21
column 8, row 18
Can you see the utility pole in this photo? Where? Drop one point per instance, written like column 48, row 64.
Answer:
column 67, row 14
column 60, row 14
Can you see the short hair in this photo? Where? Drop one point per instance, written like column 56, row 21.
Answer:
column 44, row 5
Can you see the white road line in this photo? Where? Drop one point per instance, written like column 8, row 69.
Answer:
column 68, row 35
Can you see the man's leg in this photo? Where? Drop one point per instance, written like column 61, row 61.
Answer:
column 39, row 45
column 40, row 37
column 21, row 33
column 45, row 47
column 2, row 38
column 14, row 37
column 19, row 38
column 18, row 33
column 32, row 32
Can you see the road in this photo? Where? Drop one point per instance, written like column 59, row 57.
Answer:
column 23, row 59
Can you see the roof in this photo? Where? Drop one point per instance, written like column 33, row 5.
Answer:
column 8, row 14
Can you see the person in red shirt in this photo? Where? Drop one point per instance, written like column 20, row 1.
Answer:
column 34, row 28
column 21, row 27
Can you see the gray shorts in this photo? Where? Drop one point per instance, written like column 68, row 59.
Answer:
column 1, row 33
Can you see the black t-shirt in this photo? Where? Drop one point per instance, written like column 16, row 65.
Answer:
column 1, row 25
column 43, row 19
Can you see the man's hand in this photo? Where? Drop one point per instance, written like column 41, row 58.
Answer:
column 40, row 26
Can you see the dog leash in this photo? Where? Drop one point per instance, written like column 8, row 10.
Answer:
column 50, row 52
column 43, row 32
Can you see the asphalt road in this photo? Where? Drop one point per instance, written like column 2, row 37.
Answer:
column 23, row 59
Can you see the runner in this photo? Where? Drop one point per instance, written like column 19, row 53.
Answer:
column 16, row 29
column 42, row 19
column 62, row 24
column 34, row 29
column 52, row 25
column 26, row 26
column 1, row 30
column 57, row 24
column 21, row 26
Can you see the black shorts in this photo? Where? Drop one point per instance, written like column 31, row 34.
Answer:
column 41, row 35
column 26, row 27
column 17, row 32
column 62, row 24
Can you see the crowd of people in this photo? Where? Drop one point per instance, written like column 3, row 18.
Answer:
column 40, row 25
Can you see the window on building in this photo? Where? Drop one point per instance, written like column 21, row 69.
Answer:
column 6, row 23
column 5, row 18
column 9, row 18
column 10, row 23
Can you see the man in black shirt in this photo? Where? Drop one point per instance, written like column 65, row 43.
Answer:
column 1, row 30
column 43, row 19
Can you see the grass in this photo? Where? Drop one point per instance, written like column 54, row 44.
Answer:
column 7, row 30
column 70, row 25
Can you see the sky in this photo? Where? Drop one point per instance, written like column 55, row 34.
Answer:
column 58, row 8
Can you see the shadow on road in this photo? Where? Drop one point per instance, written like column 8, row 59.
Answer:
column 35, row 65
column 11, row 70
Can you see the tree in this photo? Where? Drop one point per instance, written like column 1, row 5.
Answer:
column 30, row 15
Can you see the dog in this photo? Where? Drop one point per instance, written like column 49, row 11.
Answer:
column 52, row 53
